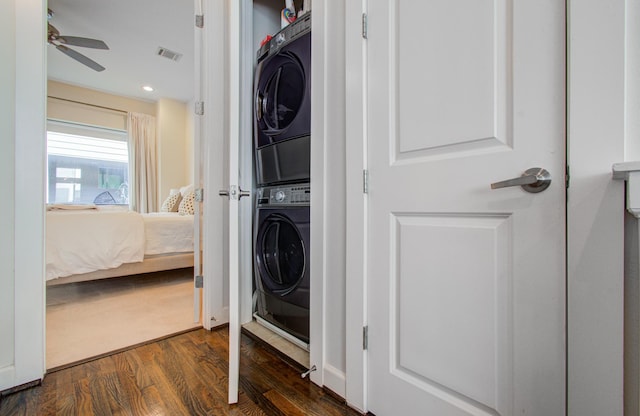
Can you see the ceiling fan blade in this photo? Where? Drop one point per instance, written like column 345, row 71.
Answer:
column 83, row 42
column 80, row 58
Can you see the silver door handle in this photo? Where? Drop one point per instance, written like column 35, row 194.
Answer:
column 234, row 192
column 533, row 180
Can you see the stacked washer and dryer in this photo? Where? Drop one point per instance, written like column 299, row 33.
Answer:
column 282, row 137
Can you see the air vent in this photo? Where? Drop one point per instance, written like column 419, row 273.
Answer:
column 169, row 54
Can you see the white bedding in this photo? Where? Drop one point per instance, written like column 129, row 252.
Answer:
column 83, row 241
column 168, row 232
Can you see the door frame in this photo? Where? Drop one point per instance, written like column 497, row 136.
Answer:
column 317, row 257
column 588, row 154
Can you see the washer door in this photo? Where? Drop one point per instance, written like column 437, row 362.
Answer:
column 280, row 255
column 279, row 96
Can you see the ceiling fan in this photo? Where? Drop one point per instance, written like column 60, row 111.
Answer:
column 60, row 41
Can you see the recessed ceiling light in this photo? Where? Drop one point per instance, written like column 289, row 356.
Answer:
column 147, row 88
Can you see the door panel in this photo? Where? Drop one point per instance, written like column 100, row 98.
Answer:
column 466, row 283
column 461, row 59
column 463, row 277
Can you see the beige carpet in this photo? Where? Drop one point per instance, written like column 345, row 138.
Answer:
column 93, row 318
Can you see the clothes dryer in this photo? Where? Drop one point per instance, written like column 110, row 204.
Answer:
column 281, row 254
column 282, row 107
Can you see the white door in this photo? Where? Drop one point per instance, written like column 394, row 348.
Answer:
column 466, row 284
column 236, row 193
column 198, row 164
column 227, row 175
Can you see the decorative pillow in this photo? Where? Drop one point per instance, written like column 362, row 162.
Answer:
column 186, row 189
column 186, row 205
column 172, row 203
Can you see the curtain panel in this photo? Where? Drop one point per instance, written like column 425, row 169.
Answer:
column 142, row 162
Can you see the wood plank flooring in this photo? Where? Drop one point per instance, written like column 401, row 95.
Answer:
column 181, row 375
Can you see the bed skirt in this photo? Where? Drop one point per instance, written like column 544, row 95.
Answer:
column 150, row 264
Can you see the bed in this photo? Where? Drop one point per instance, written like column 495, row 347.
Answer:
column 95, row 243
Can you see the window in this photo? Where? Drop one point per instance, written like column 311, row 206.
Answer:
column 87, row 165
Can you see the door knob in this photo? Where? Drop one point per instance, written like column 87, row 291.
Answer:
column 234, row 192
column 533, row 180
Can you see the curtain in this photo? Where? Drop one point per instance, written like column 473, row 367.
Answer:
column 142, row 162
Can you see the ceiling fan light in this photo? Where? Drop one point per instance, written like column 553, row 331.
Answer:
column 147, row 88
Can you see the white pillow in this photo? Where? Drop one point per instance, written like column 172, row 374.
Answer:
column 185, row 190
column 172, row 203
column 187, row 204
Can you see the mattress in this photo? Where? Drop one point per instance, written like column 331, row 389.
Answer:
column 167, row 232
column 84, row 241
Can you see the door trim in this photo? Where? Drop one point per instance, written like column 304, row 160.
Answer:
column 356, row 207
column 595, row 207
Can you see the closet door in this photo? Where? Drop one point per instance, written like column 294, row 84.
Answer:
column 213, row 160
column 240, row 154
column 227, row 213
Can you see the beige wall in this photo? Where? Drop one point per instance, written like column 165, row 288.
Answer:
column 189, row 143
column 174, row 126
column 67, row 102
column 173, row 144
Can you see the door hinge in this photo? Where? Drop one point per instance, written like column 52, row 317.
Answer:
column 567, row 177
column 199, row 281
column 365, row 181
column 364, row 25
column 200, row 21
column 199, row 195
column 365, row 337
column 199, row 108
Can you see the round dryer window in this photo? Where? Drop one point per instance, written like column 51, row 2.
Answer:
column 279, row 101
column 283, row 255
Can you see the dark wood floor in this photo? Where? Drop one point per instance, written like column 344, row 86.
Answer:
column 181, row 375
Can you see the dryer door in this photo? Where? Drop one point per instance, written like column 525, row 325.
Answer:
column 280, row 254
column 280, row 95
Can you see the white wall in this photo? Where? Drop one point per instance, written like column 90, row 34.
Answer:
column 7, row 166
column 632, row 230
column 335, row 198
column 632, row 79
column 266, row 20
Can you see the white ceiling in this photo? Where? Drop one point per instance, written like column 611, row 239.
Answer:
column 133, row 30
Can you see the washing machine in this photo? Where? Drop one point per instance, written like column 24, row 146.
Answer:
column 281, row 255
column 282, row 107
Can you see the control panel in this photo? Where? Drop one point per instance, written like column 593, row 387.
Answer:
column 272, row 45
column 299, row 194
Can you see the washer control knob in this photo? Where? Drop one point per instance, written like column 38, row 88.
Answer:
column 280, row 195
